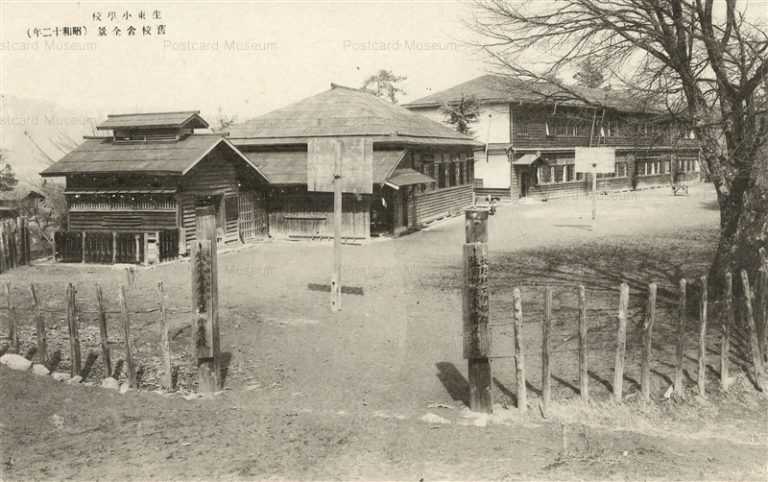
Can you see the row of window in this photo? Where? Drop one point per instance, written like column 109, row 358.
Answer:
column 447, row 174
column 645, row 167
column 564, row 126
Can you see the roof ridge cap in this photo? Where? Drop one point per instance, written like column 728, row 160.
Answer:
column 155, row 113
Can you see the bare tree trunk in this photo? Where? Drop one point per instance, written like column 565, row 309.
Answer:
column 743, row 229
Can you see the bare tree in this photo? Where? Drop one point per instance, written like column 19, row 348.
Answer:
column 704, row 60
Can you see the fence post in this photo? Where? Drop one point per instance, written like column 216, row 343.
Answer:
column 165, row 341
column 517, row 317
column 680, row 349
column 206, row 297
column 114, row 247
column 476, row 311
column 42, row 339
column 726, row 323
column 74, row 332
column 757, row 358
column 701, row 377
column 583, row 347
column 650, row 319
column 621, row 342
column 103, row 331
column 546, row 347
column 131, row 368
column 13, row 333
column 3, row 248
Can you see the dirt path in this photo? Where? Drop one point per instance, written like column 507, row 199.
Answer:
column 314, row 395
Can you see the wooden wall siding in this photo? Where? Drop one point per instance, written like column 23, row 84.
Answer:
column 122, row 221
column 188, row 221
column 653, row 180
column 495, row 193
column 532, row 120
column 302, row 214
column 120, row 181
column 216, row 173
column 448, row 201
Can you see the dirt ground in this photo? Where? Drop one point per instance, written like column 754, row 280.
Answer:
column 316, row 395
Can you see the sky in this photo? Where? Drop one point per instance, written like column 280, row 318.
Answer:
column 239, row 58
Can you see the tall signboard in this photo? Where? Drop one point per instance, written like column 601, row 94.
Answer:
column 339, row 165
column 594, row 160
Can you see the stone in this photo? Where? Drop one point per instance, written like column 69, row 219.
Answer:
column 434, row 419
column 15, row 362
column 60, row 376
column 110, row 383
column 41, row 370
column 125, row 388
column 75, row 379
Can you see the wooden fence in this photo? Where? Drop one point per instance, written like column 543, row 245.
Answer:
column 752, row 306
column 72, row 311
column 114, row 247
column 15, row 248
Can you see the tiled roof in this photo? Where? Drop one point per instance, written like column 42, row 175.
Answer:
column 343, row 111
column 154, row 120
column 290, row 167
column 494, row 88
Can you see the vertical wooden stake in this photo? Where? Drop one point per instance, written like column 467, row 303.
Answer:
column 726, row 323
column 757, row 358
column 165, row 341
column 546, row 347
column 84, row 249
column 74, row 331
column 42, row 339
column 517, row 316
column 337, row 214
column 702, row 371
column 583, row 347
column 680, row 349
column 476, row 310
column 103, row 332
column 13, row 333
column 130, row 367
column 650, row 319
column 621, row 343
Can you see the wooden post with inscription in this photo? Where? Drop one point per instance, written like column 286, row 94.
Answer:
column 475, row 307
column 205, row 298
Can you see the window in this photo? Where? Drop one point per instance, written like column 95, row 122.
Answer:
column 544, row 175
column 621, row 169
column 521, row 129
column 570, row 171
column 230, row 208
column 451, row 168
column 471, row 170
column 440, row 175
column 559, row 173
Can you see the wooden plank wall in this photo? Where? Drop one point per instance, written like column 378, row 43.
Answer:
column 305, row 214
column 122, row 220
column 443, row 202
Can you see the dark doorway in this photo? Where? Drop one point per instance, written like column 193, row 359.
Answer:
column 404, row 205
column 525, row 181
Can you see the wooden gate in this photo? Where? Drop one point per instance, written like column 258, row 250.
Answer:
column 253, row 221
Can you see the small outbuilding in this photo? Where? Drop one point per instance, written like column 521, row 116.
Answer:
column 132, row 195
column 421, row 170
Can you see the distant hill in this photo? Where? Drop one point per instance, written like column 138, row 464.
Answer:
column 34, row 133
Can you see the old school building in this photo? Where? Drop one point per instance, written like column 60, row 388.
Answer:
column 528, row 143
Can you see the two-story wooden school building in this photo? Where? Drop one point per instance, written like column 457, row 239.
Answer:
column 529, row 143
column 131, row 194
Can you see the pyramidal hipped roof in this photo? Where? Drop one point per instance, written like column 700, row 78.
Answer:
column 343, row 111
